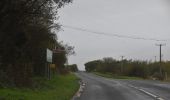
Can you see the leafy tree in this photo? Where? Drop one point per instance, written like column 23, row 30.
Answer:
column 61, row 55
column 72, row 67
column 25, row 32
column 92, row 65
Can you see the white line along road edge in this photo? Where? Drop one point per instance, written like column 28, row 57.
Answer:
column 146, row 92
column 79, row 92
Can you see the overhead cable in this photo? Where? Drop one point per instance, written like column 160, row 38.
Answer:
column 111, row 34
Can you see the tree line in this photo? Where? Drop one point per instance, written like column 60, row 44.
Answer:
column 27, row 28
column 72, row 67
column 134, row 68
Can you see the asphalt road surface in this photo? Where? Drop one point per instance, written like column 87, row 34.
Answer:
column 100, row 88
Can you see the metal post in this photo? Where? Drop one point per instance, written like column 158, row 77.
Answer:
column 122, row 64
column 155, row 58
column 160, row 59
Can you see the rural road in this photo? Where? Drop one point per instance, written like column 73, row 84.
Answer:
column 100, row 88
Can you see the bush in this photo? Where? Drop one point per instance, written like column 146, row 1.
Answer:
column 141, row 69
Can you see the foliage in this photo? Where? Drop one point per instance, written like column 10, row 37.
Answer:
column 92, row 65
column 25, row 33
column 72, row 68
column 130, row 68
column 60, row 58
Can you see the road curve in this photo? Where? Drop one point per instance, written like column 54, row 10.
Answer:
column 100, row 88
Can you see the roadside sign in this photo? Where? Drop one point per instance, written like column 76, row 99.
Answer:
column 52, row 66
column 49, row 55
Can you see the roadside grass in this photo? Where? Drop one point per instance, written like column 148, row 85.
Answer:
column 109, row 75
column 61, row 87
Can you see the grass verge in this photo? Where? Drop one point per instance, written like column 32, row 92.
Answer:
column 109, row 75
column 58, row 88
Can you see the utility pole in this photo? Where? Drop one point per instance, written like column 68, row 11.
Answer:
column 160, row 55
column 122, row 64
column 155, row 58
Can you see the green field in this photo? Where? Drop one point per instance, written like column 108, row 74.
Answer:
column 109, row 75
column 58, row 88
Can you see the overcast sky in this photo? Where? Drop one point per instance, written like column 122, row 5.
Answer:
column 140, row 18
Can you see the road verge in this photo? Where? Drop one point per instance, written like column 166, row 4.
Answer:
column 80, row 90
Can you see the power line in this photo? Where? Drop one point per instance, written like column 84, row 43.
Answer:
column 109, row 34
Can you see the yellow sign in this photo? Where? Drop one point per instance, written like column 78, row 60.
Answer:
column 52, row 66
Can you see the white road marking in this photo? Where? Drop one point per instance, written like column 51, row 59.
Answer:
column 79, row 92
column 146, row 92
column 160, row 99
